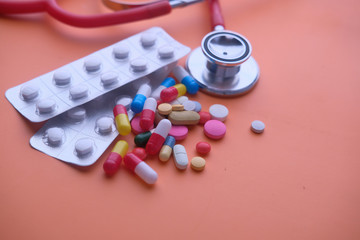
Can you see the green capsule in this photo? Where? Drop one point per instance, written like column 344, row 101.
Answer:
column 142, row 139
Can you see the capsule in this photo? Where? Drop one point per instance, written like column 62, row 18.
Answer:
column 166, row 150
column 171, row 93
column 140, row 168
column 142, row 139
column 147, row 115
column 122, row 120
column 157, row 139
column 112, row 163
column 168, row 82
column 185, row 78
column 139, row 100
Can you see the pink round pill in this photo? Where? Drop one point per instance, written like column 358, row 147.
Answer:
column 214, row 129
column 203, row 147
column 178, row 132
column 135, row 126
column 204, row 117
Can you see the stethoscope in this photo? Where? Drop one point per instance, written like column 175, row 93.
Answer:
column 222, row 66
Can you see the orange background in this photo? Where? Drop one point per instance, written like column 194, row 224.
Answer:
column 298, row 180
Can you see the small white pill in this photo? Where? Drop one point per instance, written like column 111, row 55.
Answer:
column 79, row 91
column 121, row 51
column 55, row 136
column 138, row 65
column 166, row 52
column 218, row 112
column 257, row 126
column 92, row 64
column 180, row 157
column 125, row 101
column 76, row 113
column 189, row 105
column 148, row 39
column 197, row 106
column 104, row 125
column 62, row 77
column 46, row 106
column 29, row 92
column 84, row 146
column 109, row 78
column 180, row 100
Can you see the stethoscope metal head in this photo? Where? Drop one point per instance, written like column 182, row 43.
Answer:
column 223, row 64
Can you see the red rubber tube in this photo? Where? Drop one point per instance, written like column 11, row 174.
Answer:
column 86, row 21
column 215, row 13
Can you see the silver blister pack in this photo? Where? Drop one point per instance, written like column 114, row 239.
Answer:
column 87, row 78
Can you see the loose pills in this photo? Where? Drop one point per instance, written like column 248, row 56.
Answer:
column 165, row 109
column 140, row 152
column 166, row 149
column 158, row 137
column 204, row 117
column 203, row 148
column 189, row 105
column 140, row 168
column 198, row 163
column 184, row 118
column 257, row 126
column 113, row 161
column 218, row 112
column 180, row 157
column 178, row 132
column 214, row 129
column 178, row 107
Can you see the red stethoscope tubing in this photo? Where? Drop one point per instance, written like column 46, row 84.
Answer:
column 217, row 18
column 86, row 21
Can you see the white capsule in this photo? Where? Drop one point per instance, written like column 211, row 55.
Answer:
column 55, row 136
column 121, row 51
column 218, row 112
column 125, row 101
column 146, row 173
column 145, row 90
column 150, row 103
column 29, row 92
column 166, row 52
column 156, row 93
column 180, row 73
column 180, row 157
column 104, row 125
column 46, row 106
column 62, row 77
column 148, row 39
column 163, row 128
column 79, row 91
column 138, row 65
column 92, row 64
column 84, row 147
column 109, row 78
column 189, row 105
column 76, row 114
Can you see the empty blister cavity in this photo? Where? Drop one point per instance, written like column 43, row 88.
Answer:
column 45, row 106
column 76, row 114
column 148, row 39
column 79, row 91
column 138, row 65
column 84, row 147
column 54, row 136
column 29, row 92
column 121, row 51
column 62, row 77
column 104, row 125
column 92, row 64
column 166, row 52
column 109, row 78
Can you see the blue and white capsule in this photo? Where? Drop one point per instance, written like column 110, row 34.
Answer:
column 138, row 102
column 166, row 150
column 192, row 87
column 168, row 82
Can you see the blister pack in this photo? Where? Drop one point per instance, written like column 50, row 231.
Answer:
column 87, row 78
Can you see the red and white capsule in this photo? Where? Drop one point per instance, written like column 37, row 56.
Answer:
column 158, row 137
column 140, row 168
column 147, row 115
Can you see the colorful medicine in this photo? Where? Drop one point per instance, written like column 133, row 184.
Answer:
column 140, row 168
column 168, row 82
column 185, row 78
column 171, row 93
column 139, row 100
column 180, row 157
column 158, row 137
column 122, row 120
column 112, row 163
column 142, row 139
column 166, row 150
column 147, row 116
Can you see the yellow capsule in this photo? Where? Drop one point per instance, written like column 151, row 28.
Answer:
column 181, row 89
column 121, row 147
column 165, row 153
column 122, row 120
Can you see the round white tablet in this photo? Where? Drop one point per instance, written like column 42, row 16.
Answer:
column 84, row 146
column 166, row 52
column 79, row 91
column 125, row 101
column 189, row 105
column 104, row 125
column 46, row 106
column 218, row 112
column 109, row 78
column 62, row 77
column 55, row 136
column 148, row 39
column 29, row 92
column 138, row 65
column 257, row 126
column 92, row 64
column 121, row 51
column 76, row 114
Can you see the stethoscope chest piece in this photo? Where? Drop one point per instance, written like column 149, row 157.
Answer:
column 223, row 64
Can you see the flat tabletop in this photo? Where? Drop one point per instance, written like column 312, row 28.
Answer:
column 297, row 180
